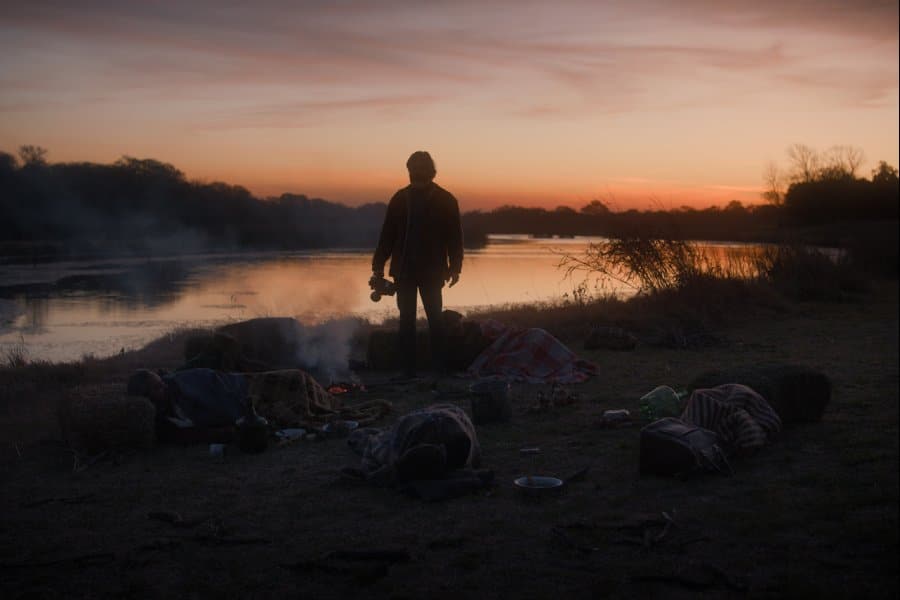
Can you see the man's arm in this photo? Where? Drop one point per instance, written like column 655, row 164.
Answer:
column 454, row 241
column 386, row 240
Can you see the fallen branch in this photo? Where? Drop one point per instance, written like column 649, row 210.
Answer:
column 577, row 476
column 391, row 556
column 449, row 542
column 63, row 499
column 700, row 577
column 175, row 519
column 568, row 541
column 361, row 573
column 230, row 540
column 701, row 538
column 356, row 563
column 79, row 464
column 81, row 560
column 160, row 544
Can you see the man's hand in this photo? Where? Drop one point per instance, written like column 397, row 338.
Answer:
column 454, row 279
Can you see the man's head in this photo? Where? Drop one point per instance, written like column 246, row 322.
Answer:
column 421, row 167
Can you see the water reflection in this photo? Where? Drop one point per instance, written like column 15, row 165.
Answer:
column 65, row 310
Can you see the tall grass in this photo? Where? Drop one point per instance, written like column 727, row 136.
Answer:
column 664, row 266
column 651, row 265
column 16, row 355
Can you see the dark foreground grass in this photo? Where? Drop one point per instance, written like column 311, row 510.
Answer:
column 813, row 515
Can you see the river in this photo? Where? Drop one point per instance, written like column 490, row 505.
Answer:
column 65, row 310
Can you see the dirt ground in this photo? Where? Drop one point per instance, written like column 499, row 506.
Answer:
column 813, row 515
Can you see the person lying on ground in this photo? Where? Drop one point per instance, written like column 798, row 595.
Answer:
column 425, row 444
column 743, row 420
column 192, row 404
column 203, row 404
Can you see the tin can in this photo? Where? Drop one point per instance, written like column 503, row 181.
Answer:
column 616, row 415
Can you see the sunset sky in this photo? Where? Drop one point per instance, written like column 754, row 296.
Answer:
column 639, row 103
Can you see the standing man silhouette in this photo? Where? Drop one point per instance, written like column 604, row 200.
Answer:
column 422, row 235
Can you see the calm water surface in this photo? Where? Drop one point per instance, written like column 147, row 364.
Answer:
column 64, row 310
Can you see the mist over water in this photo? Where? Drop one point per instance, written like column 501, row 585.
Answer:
column 62, row 311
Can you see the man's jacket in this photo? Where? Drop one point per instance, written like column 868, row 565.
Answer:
column 440, row 247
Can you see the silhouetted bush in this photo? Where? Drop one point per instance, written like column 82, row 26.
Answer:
column 658, row 263
column 875, row 248
column 805, row 273
column 647, row 264
column 841, row 199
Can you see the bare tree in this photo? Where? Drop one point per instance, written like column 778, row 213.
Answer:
column 33, row 155
column 805, row 163
column 843, row 160
column 774, row 180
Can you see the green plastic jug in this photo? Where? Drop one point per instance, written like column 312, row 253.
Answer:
column 661, row 402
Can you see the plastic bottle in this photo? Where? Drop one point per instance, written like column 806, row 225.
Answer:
column 661, row 402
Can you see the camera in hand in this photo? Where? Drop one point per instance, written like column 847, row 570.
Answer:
column 381, row 287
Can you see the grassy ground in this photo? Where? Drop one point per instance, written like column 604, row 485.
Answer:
column 814, row 515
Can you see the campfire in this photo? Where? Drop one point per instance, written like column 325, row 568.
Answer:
column 338, row 388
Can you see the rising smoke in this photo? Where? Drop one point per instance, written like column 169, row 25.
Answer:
column 324, row 349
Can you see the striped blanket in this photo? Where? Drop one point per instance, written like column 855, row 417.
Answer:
column 530, row 355
column 742, row 418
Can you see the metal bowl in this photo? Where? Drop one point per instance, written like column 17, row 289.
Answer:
column 538, row 485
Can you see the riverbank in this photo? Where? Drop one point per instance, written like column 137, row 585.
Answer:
column 815, row 514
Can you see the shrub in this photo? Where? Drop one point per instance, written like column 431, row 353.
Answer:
column 805, row 273
column 647, row 264
column 652, row 265
column 875, row 249
column 710, row 280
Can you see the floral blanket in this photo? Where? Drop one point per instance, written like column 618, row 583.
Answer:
column 531, row 355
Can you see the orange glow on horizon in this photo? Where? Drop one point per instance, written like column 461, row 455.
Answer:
column 644, row 104
column 620, row 197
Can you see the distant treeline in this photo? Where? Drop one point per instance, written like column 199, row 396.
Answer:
column 149, row 206
column 839, row 197
column 823, row 192
column 145, row 206
column 734, row 222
